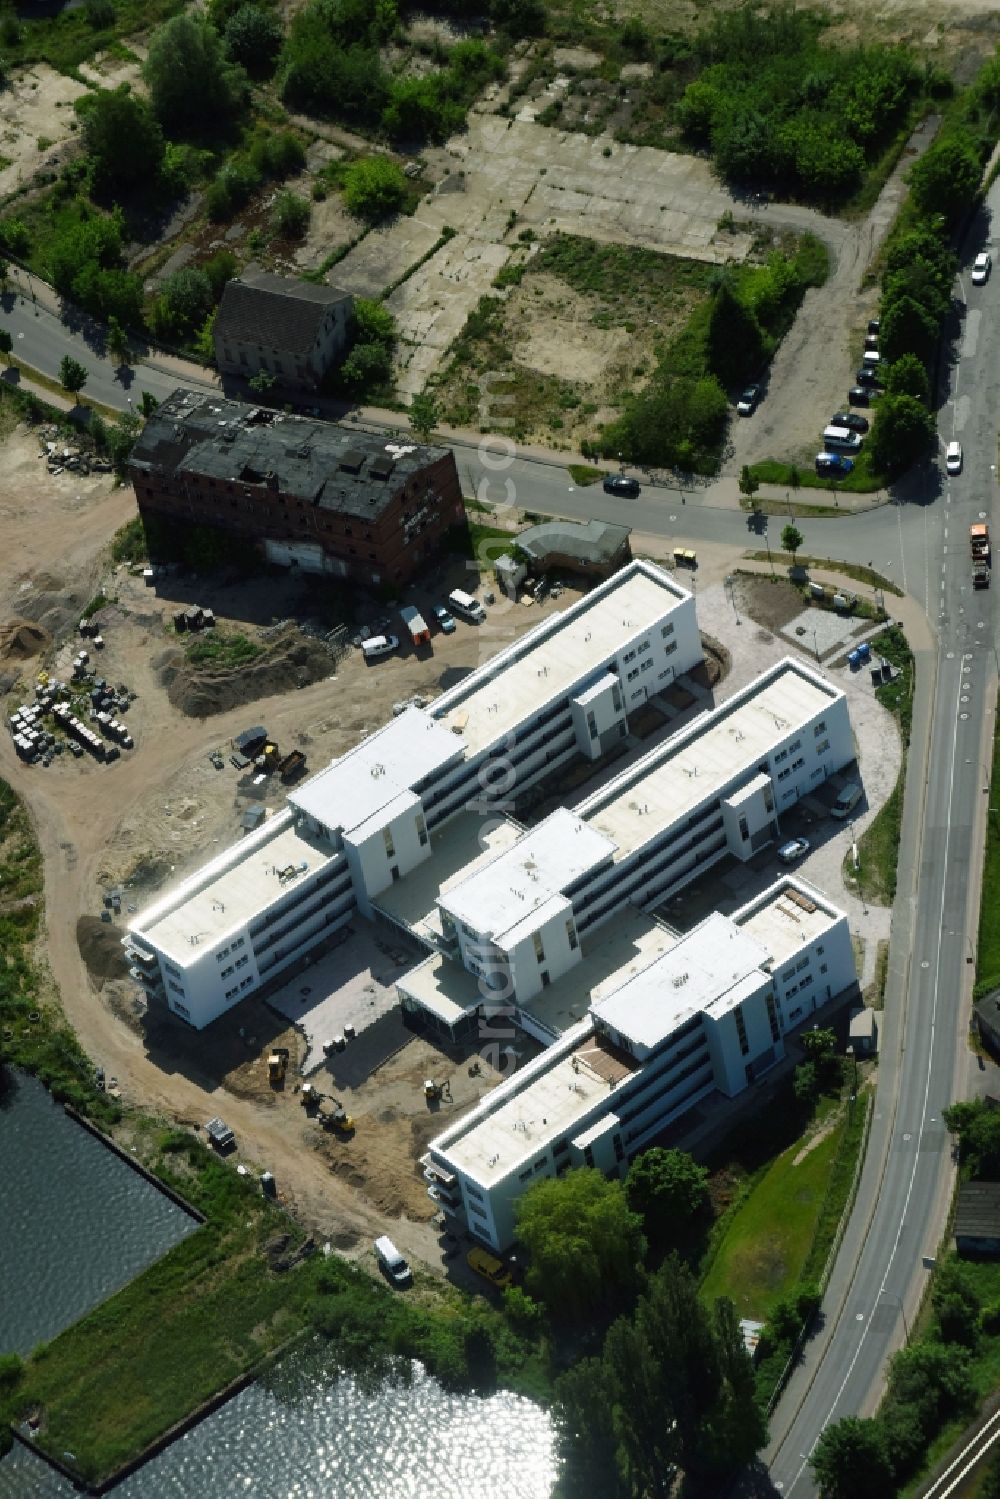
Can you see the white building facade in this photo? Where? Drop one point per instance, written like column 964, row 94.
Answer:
column 709, row 1016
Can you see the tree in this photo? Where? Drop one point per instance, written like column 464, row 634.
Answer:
column 749, row 483
column 6, row 345
column 290, row 215
column 849, row 1461
column 990, row 1487
column 669, row 1190
column 904, row 432
column 907, row 328
column 192, row 84
column 253, row 37
column 184, row 303
column 585, row 1427
column 946, row 179
column 118, row 346
column 908, row 377
column 368, row 365
column 374, row 188
column 123, row 140
column 262, row 382
column 424, row 415
column 585, row 1245
column 72, row 374
column 740, row 1428
column 735, row 343
column 978, row 1128
column 791, row 540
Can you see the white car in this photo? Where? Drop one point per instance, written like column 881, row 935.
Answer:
column 953, row 458
column 981, row 267
column 789, row 852
column 379, row 645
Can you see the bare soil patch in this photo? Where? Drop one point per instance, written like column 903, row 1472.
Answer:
column 20, row 639
column 769, row 603
column 199, row 692
column 101, row 949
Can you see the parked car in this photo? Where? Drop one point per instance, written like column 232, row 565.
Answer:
column 832, row 464
column 981, row 267
column 392, row 1263
column 490, row 1267
column 444, row 620
column 868, row 376
column 847, row 800
column 794, row 849
column 379, row 645
column 747, row 403
column 621, row 484
column 953, row 458
column 851, row 420
column 873, row 325
column 862, row 395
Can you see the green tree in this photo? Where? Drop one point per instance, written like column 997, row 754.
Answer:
column 946, row 179
column 192, row 84
column 990, row 1487
column 977, row 1126
column 749, row 483
column 184, row 303
column 739, row 1430
column 6, row 345
column 424, row 415
column 907, row 328
column 585, row 1245
column 220, row 268
column 585, row 1427
column 72, row 375
column 262, row 382
column 908, row 377
column 669, row 1190
column 118, row 346
column 850, row 1462
column 735, row 343
column 904, row 433
column 147, row 403
column 805, row 1082
column 290, row 215
column 253, row 37
column 204, row 339
column 122, row 436
column 374, row 188
column 791, row 540
column 122, row 139
column 368, row 365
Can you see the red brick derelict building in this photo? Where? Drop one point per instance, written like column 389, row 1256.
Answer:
column 309, row 493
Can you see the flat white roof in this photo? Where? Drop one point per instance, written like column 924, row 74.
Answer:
column 563, row 650
column 697, row 974
column 228, row 893
column 610, row 957
column 444, row 988
column 498, row 899
column 672, row 780
column 461, row 846
column 789, row 916
column 365, row 781
column 552, row 1099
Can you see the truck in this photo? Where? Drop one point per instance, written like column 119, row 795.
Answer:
column 980, row 574
column 277, row 1065
column 293, row 764
column 219, row 1134
column 979, row 541
column 416, row 624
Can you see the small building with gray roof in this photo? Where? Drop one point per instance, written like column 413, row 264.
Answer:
column 292, row 329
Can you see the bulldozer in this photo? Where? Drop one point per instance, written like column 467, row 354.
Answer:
column 433, row 1091
column 311, row 1097
column 277, row 1066
column 337, row 1118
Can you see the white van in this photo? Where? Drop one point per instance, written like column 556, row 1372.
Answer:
column 841, row 440
column 465, row 605
column 391, row 1262
column 847, row 800
column 379, row 645
column 870, row 359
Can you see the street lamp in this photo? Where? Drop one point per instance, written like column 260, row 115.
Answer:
column 731, row 586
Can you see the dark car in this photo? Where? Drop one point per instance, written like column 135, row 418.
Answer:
column 873, row 325
column 832, row 464
column 748, row 401
column 851, row 420
column 621, row 484
column 861, row 395
column 868, row 378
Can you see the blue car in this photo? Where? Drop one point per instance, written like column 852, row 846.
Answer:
column 832, row 464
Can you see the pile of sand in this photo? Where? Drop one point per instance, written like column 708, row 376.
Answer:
column 100, row 945
column 293, row 661
column 20, row 639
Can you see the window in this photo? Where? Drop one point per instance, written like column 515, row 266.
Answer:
column 822, row 747
column 222, row 953
column 803, row 963
column 644, row 647
column 822, row 968
column 741, row 1030
column 536, row 938
column 181, row 1009
column 782, row 756
column 524, row 1176
column 421, row 828
column 773, row 1019
column 632, row 674
column 796, row 746
column 616, row 697
column 667, row 630
column 628, row 656
column 744, row 829
column 591, row 725
column 806, row 981
column 226, row 972
column 820, row 951
column 390, row 847
column 646, row 665
column 820, row 728
column 669, row 650
column 539, row 1165
column 571, row 936
column 176, row 987
column 544, row 976
column 240, row 942
column 242, row 962
column 789, row 973
column 783, row 774
column 798, row 764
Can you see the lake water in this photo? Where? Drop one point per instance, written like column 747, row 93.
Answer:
column 77, row 1223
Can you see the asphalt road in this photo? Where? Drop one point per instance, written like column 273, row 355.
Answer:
column 904, row 1189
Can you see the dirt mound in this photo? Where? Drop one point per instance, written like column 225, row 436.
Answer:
column 293, row 661
column 20, row 639
column 100, row 945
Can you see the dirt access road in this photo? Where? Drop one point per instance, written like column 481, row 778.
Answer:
column 93, row 821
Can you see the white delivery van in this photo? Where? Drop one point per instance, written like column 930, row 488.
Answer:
column 841, row 440
column 847, row 800
column 391, row 1262
column 465, row 605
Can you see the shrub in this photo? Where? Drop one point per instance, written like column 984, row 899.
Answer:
column 290, row 215
column 374, row 188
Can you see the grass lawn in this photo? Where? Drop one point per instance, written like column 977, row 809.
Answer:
column 769, row 1239
column 878, row 846
column 860, row 481
column 582, row 474
column 988, row 950
column 855, row 570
